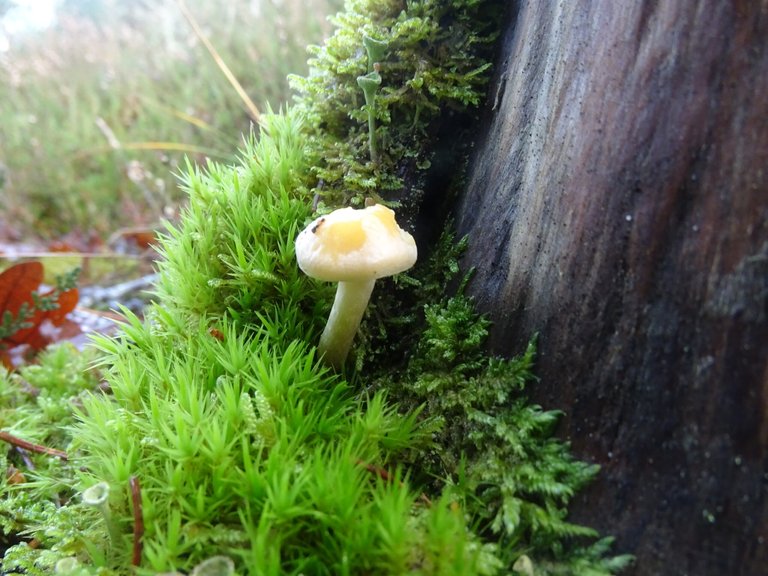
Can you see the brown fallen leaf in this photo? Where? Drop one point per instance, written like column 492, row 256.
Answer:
column 24, row 323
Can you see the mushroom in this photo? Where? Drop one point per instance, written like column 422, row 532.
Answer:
column 354, row 248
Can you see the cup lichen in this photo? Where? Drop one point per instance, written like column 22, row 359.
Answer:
column 370, row 84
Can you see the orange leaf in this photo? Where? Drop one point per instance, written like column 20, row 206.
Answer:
column 44, row 323
column 67, row 301
column 17, row 285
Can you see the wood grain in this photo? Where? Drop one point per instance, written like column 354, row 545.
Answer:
column 618, row 206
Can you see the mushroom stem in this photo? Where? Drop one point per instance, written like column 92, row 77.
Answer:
column 348, row 308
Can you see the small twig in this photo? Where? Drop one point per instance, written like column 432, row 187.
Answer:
column 387, row 477
column 138, row 521
column 19, row 443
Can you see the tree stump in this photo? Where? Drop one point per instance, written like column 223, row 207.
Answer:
column 617, row 205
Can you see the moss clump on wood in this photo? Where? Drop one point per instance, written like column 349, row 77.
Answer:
column 434, row 61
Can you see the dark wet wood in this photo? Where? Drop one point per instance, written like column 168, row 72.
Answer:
column 618, row 206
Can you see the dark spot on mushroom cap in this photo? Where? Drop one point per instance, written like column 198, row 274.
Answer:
column 316, row 226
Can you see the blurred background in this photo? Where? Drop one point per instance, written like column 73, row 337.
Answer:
column 101, row 100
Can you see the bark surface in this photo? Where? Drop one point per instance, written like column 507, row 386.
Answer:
column 617, row 205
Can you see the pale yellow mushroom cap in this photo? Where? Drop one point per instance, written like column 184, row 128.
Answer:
column 351, row 245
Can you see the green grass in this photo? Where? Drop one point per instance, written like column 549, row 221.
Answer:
column 141, row 74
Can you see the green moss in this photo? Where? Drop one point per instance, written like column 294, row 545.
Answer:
column 493, row 452
column 433, row 67
column 243, row 443
column 37, row 405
